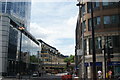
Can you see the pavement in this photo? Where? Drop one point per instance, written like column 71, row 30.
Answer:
column 45, row 77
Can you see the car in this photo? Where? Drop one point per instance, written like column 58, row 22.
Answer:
column 35, row 74
column 66, row 77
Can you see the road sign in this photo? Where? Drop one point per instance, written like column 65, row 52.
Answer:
column 80, row 52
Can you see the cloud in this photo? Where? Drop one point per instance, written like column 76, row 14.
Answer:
column 64, row 29
column 53, row 0
column 53, row 35
column 38, row 31
column 55, row 24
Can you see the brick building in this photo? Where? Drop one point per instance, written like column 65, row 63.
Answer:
column 106, row 19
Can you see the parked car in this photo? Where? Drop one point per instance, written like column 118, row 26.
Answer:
column 35, row 74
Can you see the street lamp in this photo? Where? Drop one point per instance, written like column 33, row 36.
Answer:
column 38, row 53
column 51, row 59
column 82, row 27
column 93, row 44
column 21, row 29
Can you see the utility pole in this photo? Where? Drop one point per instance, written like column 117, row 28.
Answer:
column 20, row 60
column 93, row 45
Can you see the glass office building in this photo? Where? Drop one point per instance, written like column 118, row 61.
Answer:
column 20, row 10
column 29, row 46
column 14, row 41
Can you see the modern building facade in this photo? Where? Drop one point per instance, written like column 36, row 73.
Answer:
column 16, row 45
column 18, row 9
column 106, row 19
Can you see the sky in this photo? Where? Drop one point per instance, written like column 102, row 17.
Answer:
column 55, row 23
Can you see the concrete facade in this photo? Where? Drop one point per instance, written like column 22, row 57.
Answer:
column 4, row 34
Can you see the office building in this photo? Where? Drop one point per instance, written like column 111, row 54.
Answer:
column 52, row 60
column 106, row 19
column 16, row 43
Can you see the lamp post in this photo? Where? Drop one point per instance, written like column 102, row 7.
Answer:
column 82, row 27
column 93, row 44
column 104, row 49
column 38, row 61
column 21, row 29
column 51, row 59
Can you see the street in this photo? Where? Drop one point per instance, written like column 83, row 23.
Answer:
column 45, row 77
column 59, row 40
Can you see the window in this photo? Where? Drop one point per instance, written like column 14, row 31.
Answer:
column 90, row 46
column 89, row 25
column 115, row 19
column 44, row 52
column 110, row 3
column 96, row 4
column 116, row 40
column 84, row 25
column 106, row 19
column 83, row 8
column 105, row 3
column 8, row 7
column 46, row 59
column 83, row 11
column 98, row 20
column 3, row 7
column 85, row 46
column 98, row 43
column 88, row 7
column 111, row 19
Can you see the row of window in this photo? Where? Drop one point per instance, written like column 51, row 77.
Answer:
column 44, row 51
column 97, row 5
column 44, row 55
column 114, row 40
column 107, row 3
column 111, row 19
column 96, row 21
column 114, row 19
column 46, row 60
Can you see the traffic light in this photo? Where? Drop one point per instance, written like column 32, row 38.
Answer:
column 110, row 52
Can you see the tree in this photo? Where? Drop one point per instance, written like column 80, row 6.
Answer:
column 69, row 59
column 33, row 59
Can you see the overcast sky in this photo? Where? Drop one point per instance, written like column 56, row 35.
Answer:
column 54, row 23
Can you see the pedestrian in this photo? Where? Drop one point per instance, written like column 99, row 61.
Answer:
column 99, row 74
column 110, row 74
column 18, row 76
column 106, row 75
